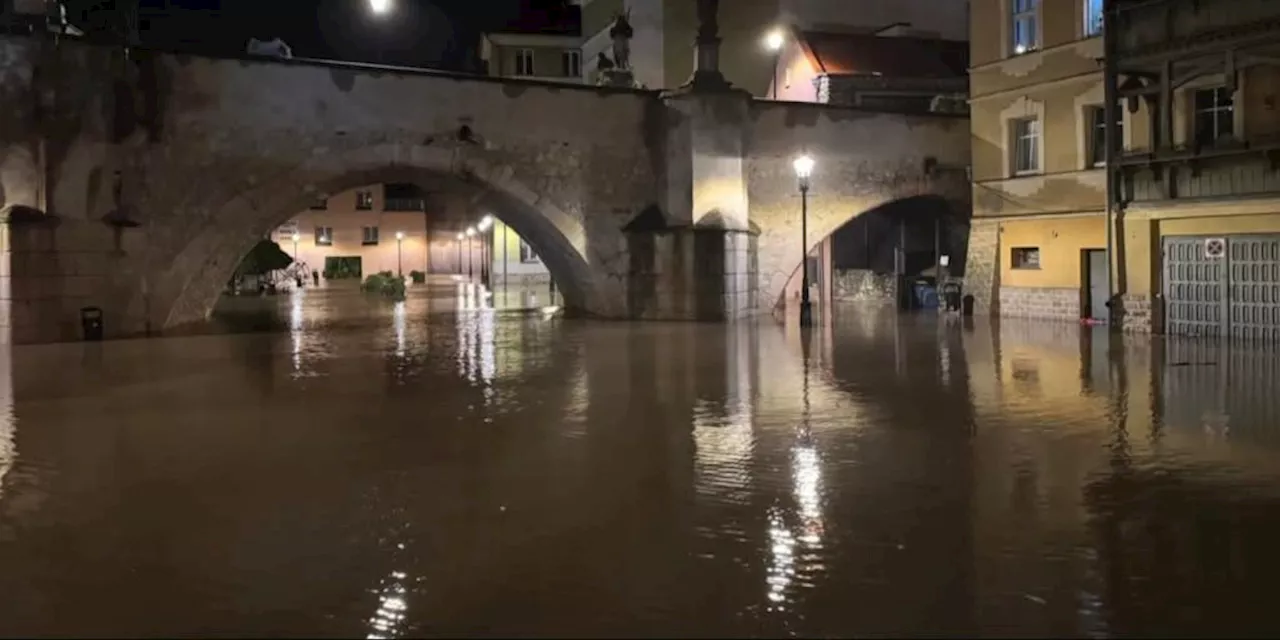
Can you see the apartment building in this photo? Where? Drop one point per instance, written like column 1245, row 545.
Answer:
column 360, row 232
column 1195, row 240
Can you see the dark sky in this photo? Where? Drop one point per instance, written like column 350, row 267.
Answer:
column 437, row 33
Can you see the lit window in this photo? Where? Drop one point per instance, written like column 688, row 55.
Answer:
column 1097, row 141
column 526, row 253
column 324, row 236
column 1026, row 18
column 1026, row 145
column 1026, row 258
column 364, row 200
column 524, row 62
column 1092, row 18
column 1214, row 115
column 369, row 235
column 571, row 64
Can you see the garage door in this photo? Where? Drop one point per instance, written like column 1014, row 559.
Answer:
column 1223, row 286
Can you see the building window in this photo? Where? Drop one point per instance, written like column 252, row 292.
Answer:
column 320, row 203
column 1026, row 145
column 1214, row 115
column 364, row 200
column 370, row 236
column 526, row 253
column 324, row 236
column 1092, row 18
column 1026, row 258
column 571, row 64
column 1097, row 142
column 524, row 62
column 1026, row 18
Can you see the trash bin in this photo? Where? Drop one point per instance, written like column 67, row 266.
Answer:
column 968, row 305
column 91, row 323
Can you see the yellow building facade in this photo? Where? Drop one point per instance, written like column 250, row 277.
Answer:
column 1197, row 195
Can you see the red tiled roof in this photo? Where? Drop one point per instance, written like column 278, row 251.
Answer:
column 892, row 56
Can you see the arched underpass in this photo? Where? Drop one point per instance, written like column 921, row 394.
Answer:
column 894, row 237
column 196, row 273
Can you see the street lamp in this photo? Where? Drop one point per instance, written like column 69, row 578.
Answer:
column 773, row 41
column 380, row 7
column 460, row 237
column 804, row 169
column 399, row 254
column 486, row 247
column 471, row 232
column 295, row 246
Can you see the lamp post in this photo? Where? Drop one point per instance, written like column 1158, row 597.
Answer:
column 486, row 248
column 804, row 169
column 295, row 246
column 460, row 237
column 773, row 42
column 471, row 243
column 399, row 254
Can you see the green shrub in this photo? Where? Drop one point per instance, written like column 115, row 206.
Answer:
column 386, row 284
column 417, row 277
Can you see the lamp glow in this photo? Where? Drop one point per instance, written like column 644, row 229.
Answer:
column 295, row 236
column 379, row 7
column 399, row 235
column 471, row 231
column 485, row 223
column 774, row 40
column 803, row 166
column 461, row 236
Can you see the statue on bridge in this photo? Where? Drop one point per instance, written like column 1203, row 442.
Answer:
column 617, row 72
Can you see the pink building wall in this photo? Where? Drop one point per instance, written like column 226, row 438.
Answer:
column 347, row 223
column 796, row 76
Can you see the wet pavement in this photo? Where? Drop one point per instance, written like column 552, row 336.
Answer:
column 382, row 470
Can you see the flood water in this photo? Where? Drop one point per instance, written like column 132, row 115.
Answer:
column 380, row 470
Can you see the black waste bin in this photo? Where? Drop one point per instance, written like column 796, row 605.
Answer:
column 91, row 323
column 968, row 305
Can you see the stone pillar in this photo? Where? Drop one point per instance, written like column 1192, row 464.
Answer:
column 982, row 266
column 706, row 58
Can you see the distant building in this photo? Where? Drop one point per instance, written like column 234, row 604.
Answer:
column 515, row 263
column 566, row 46
column 360, row 232
column 891, row 69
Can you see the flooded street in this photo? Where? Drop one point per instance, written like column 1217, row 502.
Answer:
column 379, row 469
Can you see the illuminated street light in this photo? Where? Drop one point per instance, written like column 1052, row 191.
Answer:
column 295, row 245
column 804, row 169
column 380, row 7
column 471, row 231
column 773, row 41
column 399, row 254
column 485, row 222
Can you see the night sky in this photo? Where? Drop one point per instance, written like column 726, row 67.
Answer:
column 436, row 33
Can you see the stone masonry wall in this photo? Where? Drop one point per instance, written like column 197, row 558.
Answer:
column 863, row 159
column 1040, row 302
column 982, row 266
column 861, row 285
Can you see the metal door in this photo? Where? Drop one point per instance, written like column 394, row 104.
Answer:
column 1097, row 265
column 1254, row 281
column 1234, row 292
column 1195, row 288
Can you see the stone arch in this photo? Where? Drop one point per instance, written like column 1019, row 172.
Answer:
column 180, row 285
column 825, row 218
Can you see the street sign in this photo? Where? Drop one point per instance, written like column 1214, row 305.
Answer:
column 1215, row 248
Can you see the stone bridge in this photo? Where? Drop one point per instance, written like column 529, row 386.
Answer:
column 136, row 181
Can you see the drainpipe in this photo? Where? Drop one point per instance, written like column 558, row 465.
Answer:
column 1111, row 111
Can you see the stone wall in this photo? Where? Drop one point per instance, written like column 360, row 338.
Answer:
column 692, row 274
column 982, row 266
column 864, row 159
column 861, row 285
column 1040, row 302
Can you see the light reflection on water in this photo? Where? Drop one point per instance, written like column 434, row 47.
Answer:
column 474, row 473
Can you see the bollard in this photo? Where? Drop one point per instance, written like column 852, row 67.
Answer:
column 91, row 323
column 967, row 304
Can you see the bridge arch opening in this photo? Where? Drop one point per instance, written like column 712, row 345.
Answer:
column 898, row 236
column 192, row 274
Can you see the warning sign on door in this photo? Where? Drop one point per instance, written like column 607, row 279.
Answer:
column 1215, row 247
